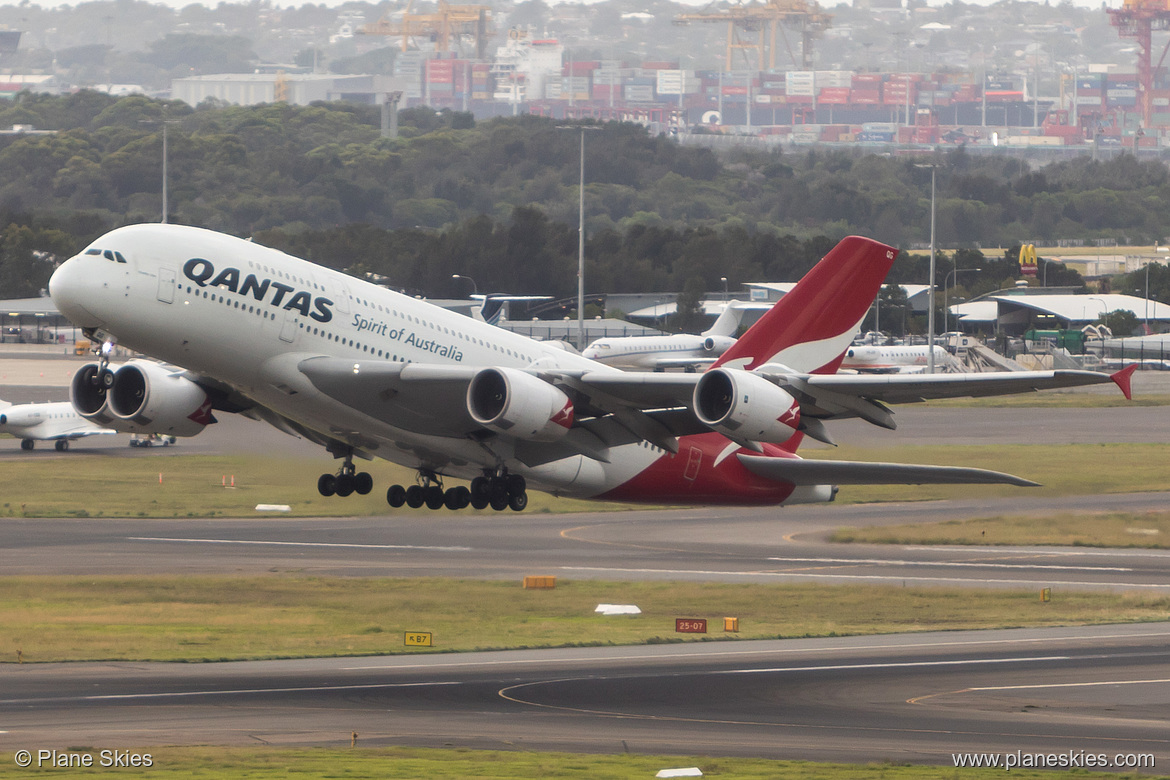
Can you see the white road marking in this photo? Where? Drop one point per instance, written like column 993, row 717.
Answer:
column 1070, row 685
column 878, row 577
column 299, row 544
column 1112, row 553
column 894, row 562
column 897, row 665
column 241, row 691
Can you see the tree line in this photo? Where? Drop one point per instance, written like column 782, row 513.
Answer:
column 497, row 200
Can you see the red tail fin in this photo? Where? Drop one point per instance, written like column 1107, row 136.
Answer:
column 810, row 328
column 1122, row 379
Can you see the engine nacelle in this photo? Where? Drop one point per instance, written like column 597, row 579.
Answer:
column 89, row 396
column 709, row 344
column 518, row 404
column 745, row 406
column 153, row 399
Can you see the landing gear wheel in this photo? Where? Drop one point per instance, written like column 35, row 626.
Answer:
column 106, row 378
column 62, row 445
column 345, row 484
column 515, row 484
column 434, row 497
column 464, row 496
column 415, row 496
column 517, row 502
column 498, row 494
column 480, row 492
column 327, row 484
column 453, row 498
column 396, row 496
column 27, row 444
column 363, row 483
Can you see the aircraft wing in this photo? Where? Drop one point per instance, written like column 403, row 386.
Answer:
column 617, row 407
column 79, row 431
column 796, row 471
column 683, row 362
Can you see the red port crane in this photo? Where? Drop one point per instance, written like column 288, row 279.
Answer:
column 1138, row 19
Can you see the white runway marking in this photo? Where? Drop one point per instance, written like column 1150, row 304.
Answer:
column 1070, row 685
column 894, row 562
column 897, row 665
column 1049, row 551
column 299, row 544
column 869, row 577
column 242, row 691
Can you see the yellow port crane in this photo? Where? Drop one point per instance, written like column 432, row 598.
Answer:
column 447, row 23
column 752, row 27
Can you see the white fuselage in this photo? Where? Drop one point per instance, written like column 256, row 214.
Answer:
column 45, row 422
column 647, row 353
column 247, row 315
column 893, row 359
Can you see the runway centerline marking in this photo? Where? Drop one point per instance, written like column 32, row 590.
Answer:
column 898, row 562
column 881, row 577
column 300, row 544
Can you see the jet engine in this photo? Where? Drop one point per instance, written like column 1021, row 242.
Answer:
column 708, row 344
column 518, row 404
column 745, row 407
column 88, row 393
column 142, row 397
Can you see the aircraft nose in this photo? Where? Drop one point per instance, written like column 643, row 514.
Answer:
column 68, row 288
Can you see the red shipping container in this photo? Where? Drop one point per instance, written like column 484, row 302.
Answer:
column 864, row 79
column 660, row 65
column 865, row 96
column 583, row 68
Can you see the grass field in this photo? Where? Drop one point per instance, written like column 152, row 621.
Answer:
column 192, row 485
column 1097, row 529
column 262, row 763
column 213, row 618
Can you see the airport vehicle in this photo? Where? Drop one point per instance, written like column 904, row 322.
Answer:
column 56, row 422
column 678, row 350
column 895, row 359
column 367, row 372
column 151, row 440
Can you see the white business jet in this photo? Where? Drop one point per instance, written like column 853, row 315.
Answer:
column 367, row 372
column 56, row 422
column 678, row 350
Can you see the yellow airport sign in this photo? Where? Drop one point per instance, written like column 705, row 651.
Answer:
column 418, row 639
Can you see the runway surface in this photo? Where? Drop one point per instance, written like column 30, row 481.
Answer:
column 710, row 544
column 906, row 698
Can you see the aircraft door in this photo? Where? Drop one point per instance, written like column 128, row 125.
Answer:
column 166, row 285
column 288, row 329
column 694, row 460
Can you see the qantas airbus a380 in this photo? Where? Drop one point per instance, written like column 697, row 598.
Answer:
column 368, row 372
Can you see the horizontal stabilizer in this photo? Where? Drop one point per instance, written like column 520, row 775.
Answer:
column 843, row 472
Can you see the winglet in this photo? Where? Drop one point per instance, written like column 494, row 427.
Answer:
column 1122, row 378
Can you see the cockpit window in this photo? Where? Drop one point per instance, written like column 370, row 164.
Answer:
column 113, row 257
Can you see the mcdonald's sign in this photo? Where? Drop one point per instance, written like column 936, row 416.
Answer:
column 1028, row 259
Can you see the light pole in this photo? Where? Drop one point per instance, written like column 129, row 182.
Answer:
column 580, row 237
column 946, row 288
column 930, row 305
column 164, row 123
column 474, row 286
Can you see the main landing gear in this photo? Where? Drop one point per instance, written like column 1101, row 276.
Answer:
column 498, row 492
column 346, row 481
